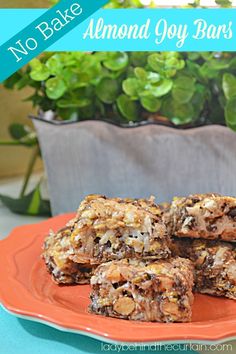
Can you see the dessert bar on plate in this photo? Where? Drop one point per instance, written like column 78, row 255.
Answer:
column 214, row 262
column 57, row 252
column 158, row 291
column 105, row 229
column 27, row 291
column 208, row 216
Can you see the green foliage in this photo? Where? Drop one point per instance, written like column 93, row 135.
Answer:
column 127, row 107
column 121, row 4
column 30, row 204
column 229, row 88
column 224, row 3
column 22, row 135
column 220, row 3
column 229, row 85
column 107, row 90
column 187, row 88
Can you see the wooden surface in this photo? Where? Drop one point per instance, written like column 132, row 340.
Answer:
column 24, row 3
column 14, row 159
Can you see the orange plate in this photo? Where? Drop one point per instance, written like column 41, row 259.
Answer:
column 26, row 289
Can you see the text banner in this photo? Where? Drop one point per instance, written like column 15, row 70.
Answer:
column 138, row 30
column 46, row 28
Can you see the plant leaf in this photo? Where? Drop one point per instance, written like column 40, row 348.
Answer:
column 39, row 71
column 55, row 88
column 28, row 140
column 153, row 77
column 107, row 90
column 138, row 58
column 183, row 88
column 74, row 102
column 229, row 85
column 55, row 64
column 178, row 113
column 117, row 61
column 12, row 80
column 127, row 107
column 31, row 204
column 166, row 63
column 224, row 3
column 156, row 62
column 161, row 90
column 131, row 87
column 230, row 112
column 18, row 131
column 150, row 103
column 140, row 73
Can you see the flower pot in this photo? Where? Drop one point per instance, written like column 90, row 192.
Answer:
column 96, row 157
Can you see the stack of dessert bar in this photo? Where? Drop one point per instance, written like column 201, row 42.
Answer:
column 137, row 270
column 103, row 230
column 204, row 227
column 123, row 245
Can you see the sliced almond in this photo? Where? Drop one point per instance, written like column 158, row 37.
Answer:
column 113, row 274
column 201, row 258
column 124, row 306
column 232, row 272
column 169, row 308
column 155, row 268
column 166, row 283
column 155, row 246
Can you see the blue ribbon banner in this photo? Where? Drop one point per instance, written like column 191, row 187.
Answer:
column 42, row 32
column 110, row 30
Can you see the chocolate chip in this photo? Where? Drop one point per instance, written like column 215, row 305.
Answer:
column 232, row 213
column 83, row 269
column 211, row 228
column 108, row 244
column 118, row 284
column 195, row 199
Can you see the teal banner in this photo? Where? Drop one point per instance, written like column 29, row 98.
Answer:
column 136, row 30
column 43, row 32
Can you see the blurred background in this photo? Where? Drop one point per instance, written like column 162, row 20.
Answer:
column 13, row 160
column 45, row 3
column 23, row 3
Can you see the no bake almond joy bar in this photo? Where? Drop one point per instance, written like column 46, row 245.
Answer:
column 158, row 291
column 208, row 216
column 57, row 256
column 126, row 248
column 204, row 230
column 105, row 229
column 214, row 263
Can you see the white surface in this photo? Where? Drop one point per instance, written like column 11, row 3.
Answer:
column 8, row 220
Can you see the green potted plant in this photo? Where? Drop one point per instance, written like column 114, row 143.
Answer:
column 134, row 124
column 128, row 90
